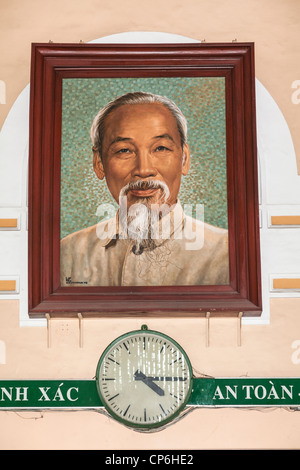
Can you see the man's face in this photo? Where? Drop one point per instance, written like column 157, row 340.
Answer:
column 142, row 142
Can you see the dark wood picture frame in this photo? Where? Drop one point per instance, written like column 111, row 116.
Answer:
column 53, row 62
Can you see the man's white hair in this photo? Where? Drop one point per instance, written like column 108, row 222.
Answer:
column 139, row 97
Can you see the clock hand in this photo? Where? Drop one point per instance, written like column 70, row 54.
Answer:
column 148, row 381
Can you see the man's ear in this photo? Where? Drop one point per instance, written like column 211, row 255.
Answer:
column 186, row 160
column 98, row 167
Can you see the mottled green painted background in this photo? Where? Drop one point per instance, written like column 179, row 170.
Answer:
column 202, row 100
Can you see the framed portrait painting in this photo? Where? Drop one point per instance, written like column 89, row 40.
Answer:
column 143, row 180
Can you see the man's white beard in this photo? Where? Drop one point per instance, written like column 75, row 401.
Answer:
column 139, row 221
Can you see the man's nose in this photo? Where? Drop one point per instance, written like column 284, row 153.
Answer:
column 144, row 166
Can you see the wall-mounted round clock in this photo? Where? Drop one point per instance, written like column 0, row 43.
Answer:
column 144, row 378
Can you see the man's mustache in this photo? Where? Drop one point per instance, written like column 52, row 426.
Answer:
column 146, row 184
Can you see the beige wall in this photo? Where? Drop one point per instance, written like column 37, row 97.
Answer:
column 272, row 24
column 266, row 350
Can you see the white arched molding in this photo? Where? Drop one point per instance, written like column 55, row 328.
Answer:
column 279, row 192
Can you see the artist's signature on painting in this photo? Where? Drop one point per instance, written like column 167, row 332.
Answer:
column 69, row 281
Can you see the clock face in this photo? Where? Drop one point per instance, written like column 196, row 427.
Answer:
column 144, row 379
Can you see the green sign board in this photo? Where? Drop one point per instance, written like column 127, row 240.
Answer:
column 246, row 392
column 206, row 392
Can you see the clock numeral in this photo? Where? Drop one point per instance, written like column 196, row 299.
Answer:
column 163, row 410
column 145, row 415
column 175, row 360
column 112, row 360
column 111, row 398
column 125, row 412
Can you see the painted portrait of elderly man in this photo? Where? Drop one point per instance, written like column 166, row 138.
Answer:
column 141, row 152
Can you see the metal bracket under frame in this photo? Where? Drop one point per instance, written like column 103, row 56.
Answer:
column 239, row 328
column 207, row 318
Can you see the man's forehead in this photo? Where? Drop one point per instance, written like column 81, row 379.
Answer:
column 147, row 111
column 141, row 116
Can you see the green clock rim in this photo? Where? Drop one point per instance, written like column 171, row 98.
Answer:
column 147, row 425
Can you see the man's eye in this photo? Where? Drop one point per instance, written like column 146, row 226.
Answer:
column 123, row 151
column 161, row 148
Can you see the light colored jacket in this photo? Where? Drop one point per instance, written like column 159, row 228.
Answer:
column 187, row 252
